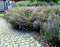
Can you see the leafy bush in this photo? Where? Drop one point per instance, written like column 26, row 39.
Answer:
column 51, row 29
column 43, row 0
column 24, row 3
column 34, row 3
column 58, row 2
column 45, row 18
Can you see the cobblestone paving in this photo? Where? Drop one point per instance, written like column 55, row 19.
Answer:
column 11, row 38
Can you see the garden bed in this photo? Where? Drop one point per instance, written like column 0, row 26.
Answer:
column 43, row 19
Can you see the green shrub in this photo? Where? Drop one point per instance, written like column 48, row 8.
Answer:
column 34, row 3
column 13, row 14
column 51, row 30
column 58, row 2
column 24, row 3
column 52, row 3
column 43, row 0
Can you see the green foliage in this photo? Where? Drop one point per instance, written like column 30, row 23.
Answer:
column 15, row 11
column 43, row 0
column 1, row 15
column 45, row 18
column 51, row 34
column 29, row 3
column 58, row 2
column 50, row 0
column 35, row 3
column 52, row 3
column 24, row 3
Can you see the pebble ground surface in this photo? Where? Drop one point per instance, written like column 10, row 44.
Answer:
column 13, row 38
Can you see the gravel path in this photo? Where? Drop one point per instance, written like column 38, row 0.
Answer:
column 12, row 38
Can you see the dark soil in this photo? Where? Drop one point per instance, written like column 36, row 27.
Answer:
column 45, row 43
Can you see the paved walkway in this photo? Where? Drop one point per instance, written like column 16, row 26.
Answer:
column 12, row 38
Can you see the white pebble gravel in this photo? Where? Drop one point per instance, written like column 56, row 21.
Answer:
column 11, row 38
